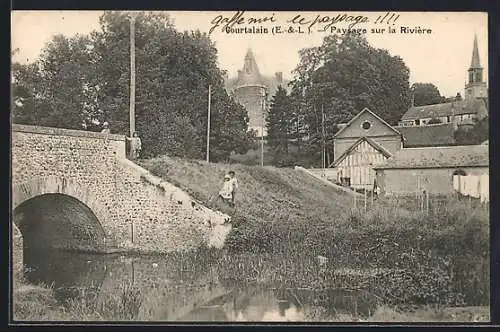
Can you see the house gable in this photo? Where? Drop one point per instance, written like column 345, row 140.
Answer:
column 374, row 147
column 366, row 124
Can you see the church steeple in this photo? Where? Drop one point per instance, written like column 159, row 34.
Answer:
column 475, row 62
column 475, row 87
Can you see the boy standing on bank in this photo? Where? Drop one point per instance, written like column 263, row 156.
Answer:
column 234, row 185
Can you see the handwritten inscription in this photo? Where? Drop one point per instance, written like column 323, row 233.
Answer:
column 326, row 22
column 227, row 23
column 307, row 23
column 321, row 22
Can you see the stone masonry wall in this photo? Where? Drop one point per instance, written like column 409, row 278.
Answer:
column 135, row 208
column 162, row 215
column 41, row 157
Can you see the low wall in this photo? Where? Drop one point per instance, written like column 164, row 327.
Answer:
column 329, row 174
column 325, row 181
column 433, row 180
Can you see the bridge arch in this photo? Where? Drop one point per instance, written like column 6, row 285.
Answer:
column 54, row 212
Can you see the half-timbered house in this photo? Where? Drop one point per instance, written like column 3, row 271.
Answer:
column 365, row 141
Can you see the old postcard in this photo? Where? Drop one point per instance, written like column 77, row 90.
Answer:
column 242, row 166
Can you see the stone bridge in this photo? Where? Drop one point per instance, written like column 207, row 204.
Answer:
column 76, row 189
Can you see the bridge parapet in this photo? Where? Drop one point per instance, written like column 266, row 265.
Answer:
column 64, row 132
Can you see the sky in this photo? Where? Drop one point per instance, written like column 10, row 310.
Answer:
column 441, row 57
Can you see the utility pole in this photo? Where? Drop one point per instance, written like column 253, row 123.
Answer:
column 412, row 96
column 34, row 106
column 323, row 155
column 208, row 123
column 132, row 17
column 262, row 129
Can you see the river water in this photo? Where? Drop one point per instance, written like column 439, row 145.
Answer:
column 156, row 288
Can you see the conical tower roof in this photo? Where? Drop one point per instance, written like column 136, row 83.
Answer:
column 250, row 74
column 475, row 63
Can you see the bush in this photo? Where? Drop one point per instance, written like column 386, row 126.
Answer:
column 295, row 218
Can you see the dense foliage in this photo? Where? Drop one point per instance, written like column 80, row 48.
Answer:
column 426, row 94
column 338, row 79
column 82, row 81
column 279, row 121
column 479, row 133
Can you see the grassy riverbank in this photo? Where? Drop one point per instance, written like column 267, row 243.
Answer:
column 402, row 264
column 438, row 257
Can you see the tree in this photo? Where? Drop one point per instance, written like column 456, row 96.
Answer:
column 174, row 71
column 426, row 94
column 343, row 76
column 24, row 78
column 85, row 79
column 279, row 121
column 53, row 91
column 476, row 135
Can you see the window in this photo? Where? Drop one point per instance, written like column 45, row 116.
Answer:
column 460, row 172
column 417, row 122
column 366, row 125
column 479, row 77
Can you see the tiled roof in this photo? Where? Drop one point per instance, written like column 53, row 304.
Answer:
column 438, row 110
column 435, row 157
column 250, row 75
column 432, row 135
column 341, row 125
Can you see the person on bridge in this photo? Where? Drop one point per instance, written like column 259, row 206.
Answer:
column 135, row 145
column 105, row 128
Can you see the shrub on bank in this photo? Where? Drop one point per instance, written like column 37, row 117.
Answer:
column 441, row 257
column 287, row 214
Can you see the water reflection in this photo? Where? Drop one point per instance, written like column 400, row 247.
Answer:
column 68, row 273
column 175, row 289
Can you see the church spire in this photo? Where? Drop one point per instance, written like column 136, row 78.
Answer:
column 475, row 87
column 475, row 62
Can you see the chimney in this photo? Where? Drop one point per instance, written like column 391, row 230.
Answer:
column 240, row 74
column 459, row 96
column 279, row 77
